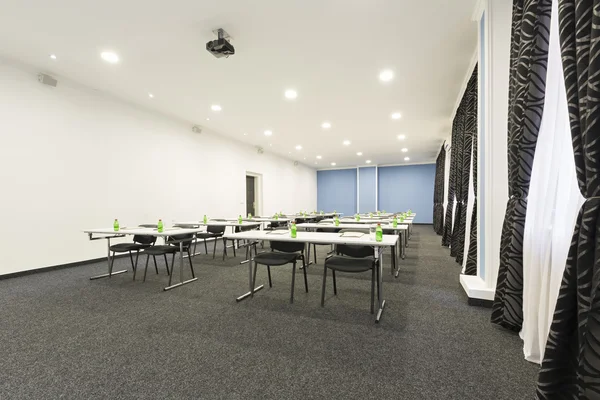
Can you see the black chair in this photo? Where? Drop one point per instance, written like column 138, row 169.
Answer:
column 352, row 259
column 282, row 253
column 327, row 227
column 172, row 247
column 140, row 242
column 212, row 232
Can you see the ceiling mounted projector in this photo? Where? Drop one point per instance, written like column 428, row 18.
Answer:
column 220, row 47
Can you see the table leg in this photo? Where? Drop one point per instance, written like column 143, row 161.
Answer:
column 403, row 244
column 250, row 284
column 110, row 264
column 380, row 300
column 181, row 281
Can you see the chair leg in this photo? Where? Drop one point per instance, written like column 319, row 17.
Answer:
column 146, row 268
column 393, row 263
column 112, row 262
column 334, row 282
column 269, row 271
column 205, row 247
column 234, row 243
column 167, row 264
column 254, row 275
column 373, row 290
column 190, row 260
column 323, row 290
column 293, row 281
column 155, row 264
column 132, row 263
column 224, row 248
column 137, row 253
column 172, row 269
column 215, row 248
column 305, row 279
column 315, row 252
column 134, row 271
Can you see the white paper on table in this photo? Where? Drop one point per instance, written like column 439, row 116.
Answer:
column 352, row 234
column 279, row 232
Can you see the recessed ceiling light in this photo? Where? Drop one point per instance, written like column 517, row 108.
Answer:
column 289, row 152
column 291, row 94
column 270, row 144
column 386, row 75
column 316, row 163
column 305, row 158
column 110, row 57
column 298, row 147
column 150, row 95
column 53, row 56
column 346, row 143
column 215, row 107
column 268, row 133
column 319, row 157
column 406, row 158
column 208, row 119
column 245, row 134
column 368, row 161
column 326, row 125
column 396, row 115
column 359, row 153
column 401, row 137
column 333, row 164
column 404, row 150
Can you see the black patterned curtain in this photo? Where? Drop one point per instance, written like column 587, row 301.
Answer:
column 447, row 234
column 438, row 193
column 571, row 365
column 528, row 65
column 471, row 265
column 468, row 124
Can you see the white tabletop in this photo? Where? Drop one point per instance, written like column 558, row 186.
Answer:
column 315, row 237
column 267, row 219
column 217, row 223
column 143, row 231
column 349, row 226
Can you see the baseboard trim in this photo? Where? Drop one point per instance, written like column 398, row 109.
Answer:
column 70, row 265
column 56, row 267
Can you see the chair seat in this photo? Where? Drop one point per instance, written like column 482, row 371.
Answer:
column 160, row 250
column 208, row 235
column 349, row 264
column 272, row 258
column 123, row 247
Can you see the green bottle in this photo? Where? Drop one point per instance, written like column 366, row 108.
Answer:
column 402, row 218
column 378, row 213
column 395, row 222
column 357, row 217
column 378, row 233
column 370, row 215
column 276, row 217
column 293, row 230
column 249, row 216
column 321, row 212
column 116, row 225
column 160, row 226
column 204, row 219
column 337, row 220
column 384, row 211
column 240, row 219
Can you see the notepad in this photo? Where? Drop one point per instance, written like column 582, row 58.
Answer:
column 352, row 234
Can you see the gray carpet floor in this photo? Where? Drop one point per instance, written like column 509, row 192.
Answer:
column 64, row 336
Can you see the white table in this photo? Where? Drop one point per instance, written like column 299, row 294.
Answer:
column 111, row 233
column 320, row 238
column 401, row 230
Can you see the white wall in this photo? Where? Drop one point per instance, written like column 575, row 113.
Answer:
column 73, row 158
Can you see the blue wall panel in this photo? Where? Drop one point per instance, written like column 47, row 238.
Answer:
column 367, row 178
column 336, row 190
column 408, row 187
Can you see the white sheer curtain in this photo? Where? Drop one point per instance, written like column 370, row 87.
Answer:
column 554, row 200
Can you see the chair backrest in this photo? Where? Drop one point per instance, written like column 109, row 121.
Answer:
column 329, row 229
column 186, row 239
column 287, row 247
column 145, row 239
column 215, row 229
column 360, row 230
column 354, row 251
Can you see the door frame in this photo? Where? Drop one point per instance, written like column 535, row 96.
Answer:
column 257, row 191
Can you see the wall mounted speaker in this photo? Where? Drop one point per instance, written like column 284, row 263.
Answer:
column 296, row 163
column 259, row 150
column 196, row 129
column 47, row 80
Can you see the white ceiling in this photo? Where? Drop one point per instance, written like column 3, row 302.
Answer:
column 330, row 51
